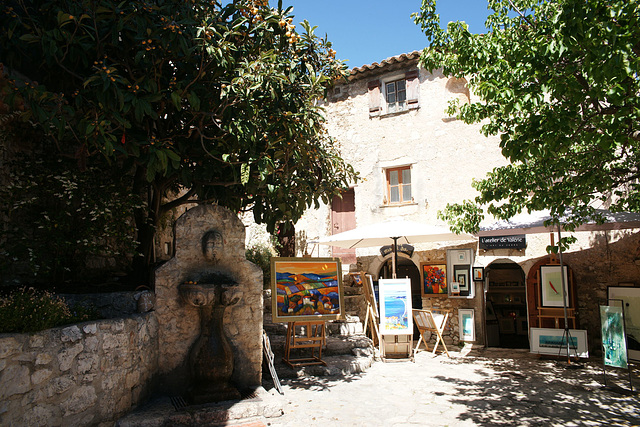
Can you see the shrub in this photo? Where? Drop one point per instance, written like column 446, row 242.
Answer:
column 261, row 256
column 28, row 310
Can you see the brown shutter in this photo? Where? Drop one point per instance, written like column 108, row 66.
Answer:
column 413, row 88
column 374, row 98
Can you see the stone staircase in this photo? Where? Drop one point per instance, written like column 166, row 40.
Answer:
column 347, row 350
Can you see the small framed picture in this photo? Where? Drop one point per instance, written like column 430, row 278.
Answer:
column 478, row 274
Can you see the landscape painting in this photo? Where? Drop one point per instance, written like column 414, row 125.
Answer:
column 395, row 307
column 306, row 289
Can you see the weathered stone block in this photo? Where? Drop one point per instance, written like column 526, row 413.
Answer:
column 40, row 375
column 90, row 328
column 43, row 359
column 71, row 334
column 60, row 384
column 9, row 346
column 41, row 415
column 82, row 398
column 15, row 379
column 68, row 355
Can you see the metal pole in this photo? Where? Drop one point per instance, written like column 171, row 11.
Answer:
column 564, row 298
column 395, row 256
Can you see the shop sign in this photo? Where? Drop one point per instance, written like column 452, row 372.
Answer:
column 402, row 248
column 516, row 241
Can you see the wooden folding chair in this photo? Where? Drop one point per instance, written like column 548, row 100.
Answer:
column 431, row 321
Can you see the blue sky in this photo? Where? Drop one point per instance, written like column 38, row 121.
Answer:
column 367, row 31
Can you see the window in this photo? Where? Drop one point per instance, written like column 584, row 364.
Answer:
column 396, row 93
column 400, row 94
column 399, row 185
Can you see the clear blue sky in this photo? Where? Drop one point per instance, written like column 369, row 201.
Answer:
column 367, row 31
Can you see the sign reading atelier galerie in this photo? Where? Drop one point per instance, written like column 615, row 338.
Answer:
column 402, row 248
column 516, row 241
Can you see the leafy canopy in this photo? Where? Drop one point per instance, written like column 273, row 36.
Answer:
column 191, row 100
column 559, row 81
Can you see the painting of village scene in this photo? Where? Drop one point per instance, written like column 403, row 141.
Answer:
column 306, row 289
column 395, row 307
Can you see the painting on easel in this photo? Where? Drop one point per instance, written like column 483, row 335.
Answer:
column 306, row 289
column 395, row 307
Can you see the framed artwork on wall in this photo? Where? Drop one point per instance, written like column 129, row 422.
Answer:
column 396, row 316
column 466, row 322
column 461, row 275
column 551, row 286
column 434, row 279
column 628, row 297
column 478, row 274
column 358, row 278
column 306, row 289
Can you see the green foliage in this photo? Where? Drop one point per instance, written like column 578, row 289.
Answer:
column 218, row 100
column 28, row 310
column 261, row 255
column 558, row 82
column 60, row 220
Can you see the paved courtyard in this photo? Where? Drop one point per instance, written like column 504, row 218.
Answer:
column 481, row 387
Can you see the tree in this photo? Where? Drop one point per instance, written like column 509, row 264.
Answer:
column 192, row 100
column 559, row 81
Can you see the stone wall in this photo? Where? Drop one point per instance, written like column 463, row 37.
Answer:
column 91, row 373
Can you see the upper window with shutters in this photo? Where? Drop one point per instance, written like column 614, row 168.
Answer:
column 394, row 94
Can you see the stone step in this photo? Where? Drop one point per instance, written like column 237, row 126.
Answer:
column 338, row 365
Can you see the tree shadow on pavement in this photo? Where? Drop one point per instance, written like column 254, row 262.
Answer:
column 530, row 391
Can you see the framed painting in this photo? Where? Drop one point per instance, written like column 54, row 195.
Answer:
column 478, row 274
column 628, row 297
column 434, row 280
column 614, row 344
column 358, row 278
column 461, row 275
column 551, row 286
column 554, row 342
column 306, row 289
column 466, row 322
column 396, row 316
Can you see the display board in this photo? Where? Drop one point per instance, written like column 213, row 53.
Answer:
column 395, row 306
column 630, row 297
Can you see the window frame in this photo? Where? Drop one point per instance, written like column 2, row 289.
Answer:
column 401, row 185
column 398, row 107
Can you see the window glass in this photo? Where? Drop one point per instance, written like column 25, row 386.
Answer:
column 393, row 177
column 394, row 194
column 406, row 193
column 406, row 176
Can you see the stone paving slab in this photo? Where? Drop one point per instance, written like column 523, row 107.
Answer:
column 480, row 387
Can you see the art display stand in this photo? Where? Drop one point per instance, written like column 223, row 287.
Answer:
column 313, row 338
column 432, row 321
column 626, row 348
column 396, row 347
column 371, row 320
column 268, row 354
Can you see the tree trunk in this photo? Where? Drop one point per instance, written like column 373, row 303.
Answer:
column 287, row 239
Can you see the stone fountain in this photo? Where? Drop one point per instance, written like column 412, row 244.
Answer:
column 209, row 307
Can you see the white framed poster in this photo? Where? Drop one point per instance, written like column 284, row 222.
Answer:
column 630, row 297
column 553, row 342
column 551, row 286
column 395, row 306
column 466, row 322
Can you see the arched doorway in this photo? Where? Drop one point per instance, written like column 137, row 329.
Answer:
column 405, row 268
column 506, row 322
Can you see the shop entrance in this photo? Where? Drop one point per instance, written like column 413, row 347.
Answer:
column 405, row 268
column 506, row 306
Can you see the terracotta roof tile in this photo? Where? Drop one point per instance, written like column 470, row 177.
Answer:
column 392, row 60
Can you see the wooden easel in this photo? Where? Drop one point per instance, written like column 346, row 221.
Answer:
column 371, row 318
column 313, row 338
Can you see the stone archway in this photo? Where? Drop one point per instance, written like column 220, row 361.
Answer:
column 506, row 322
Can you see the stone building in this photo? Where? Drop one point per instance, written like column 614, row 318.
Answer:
column 390, row 121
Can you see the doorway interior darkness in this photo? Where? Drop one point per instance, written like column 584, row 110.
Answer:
column 506, row 306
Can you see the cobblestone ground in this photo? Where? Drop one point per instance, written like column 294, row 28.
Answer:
column 482, row 387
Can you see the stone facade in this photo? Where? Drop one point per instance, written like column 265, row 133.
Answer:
column 86, row 374
column 179, row 323
column 444, row 155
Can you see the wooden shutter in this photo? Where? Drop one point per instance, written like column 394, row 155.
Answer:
column 413, row 88
column 374, row 98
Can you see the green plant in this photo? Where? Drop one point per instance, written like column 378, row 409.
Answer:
column 29, row 310
column 261, row 256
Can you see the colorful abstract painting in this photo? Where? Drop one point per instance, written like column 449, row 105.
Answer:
column 395, row 307
column 628, row 298
column 306, row 289
column 434, row 279
column 614, row 345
